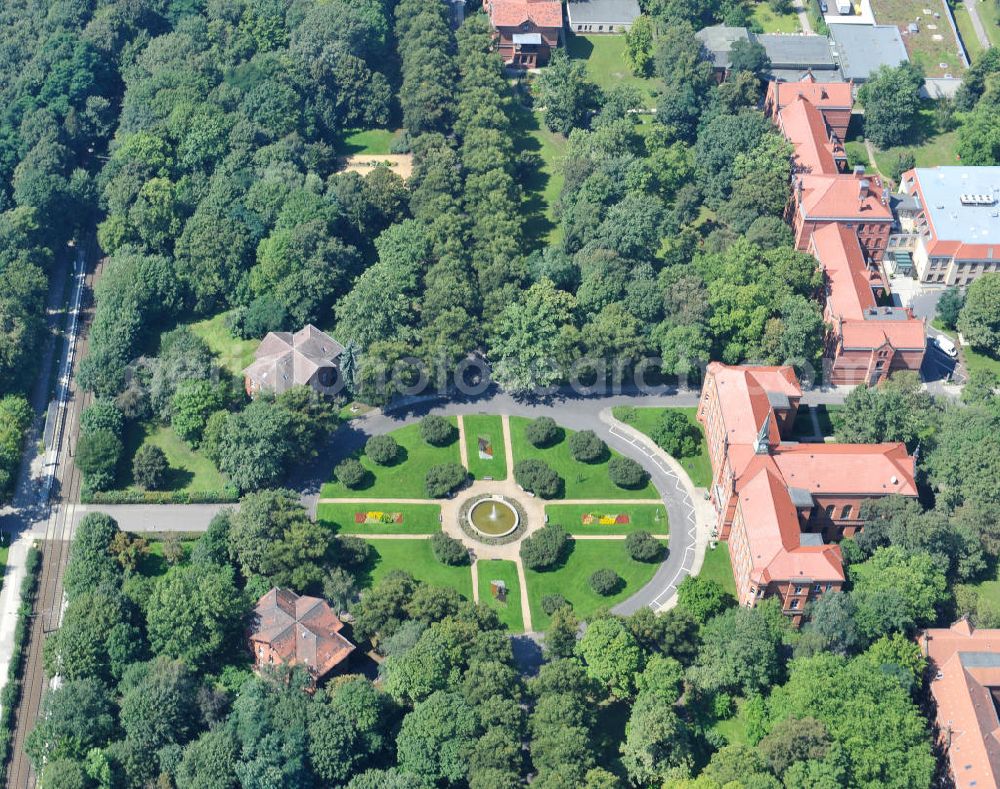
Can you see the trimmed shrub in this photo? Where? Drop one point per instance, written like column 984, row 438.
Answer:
column 536, row 476
column 350, row 473
column 586, row 447
column 444, row 478
column 150, row 467
column 437, row 430
column 642, row 547
column 97, row 456
column 553, row 602
column 382, row 449
column 102, row 414
column 605, row 582
column 448, row 550
column 542, row 432
column 545, row 548
column 626, row 473
column 676, row 436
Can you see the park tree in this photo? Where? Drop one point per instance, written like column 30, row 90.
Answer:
column 747, row 55
column 90, row 564
column 545, row 548
column 895, row 410
column 831, row 626
column 210, row 760
column 979, row 137
column 896, row 590
column 643, row 547
column 437, row 738
column 97, row 457
column 611, row 655
column 627, row 473
column 967, row 438
column 567, row 94
column 75, row 717
column 676, row 435
column 891, row 98
column 560, row 638
column 193, row 402
column 158, row 705
column 979, row 320
column 150, row 467
column 639, row 46
column 703, row 598
column 536, row 476
column 657, row 743
column 949, row 307
column 443, row 478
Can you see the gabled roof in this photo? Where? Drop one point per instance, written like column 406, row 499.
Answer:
column 743, row 396
column 822, row 95
column 284, row 360
column 805, row 128
column 965, row 665
column 839, row 197
column 855, row 469
column 849, row 290
column 905, row 335
column 301, row 630
column 514, row 13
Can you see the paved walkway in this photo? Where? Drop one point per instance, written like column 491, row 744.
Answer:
column 800, row 9
column 977, row 23
column 463, row 450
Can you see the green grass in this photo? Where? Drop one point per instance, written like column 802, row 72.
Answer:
column 969, row 37
column 153, row 565
column 570, row 580
column 774, row 23
column 989, row 13
column 921, row 46
column 417, row 518
column 509, row 611
column 606, row 66
column 370, row 141
column 544, row 185
column 404, row 479
column 718, row 568
column 4, row 550
column 974, row 360
column 648, row 517
column 189, row 469
column 929, row 146
column 645, row 420
column 734, row 729
column 827, row 415
column 416, row 558
column 489, row 427
column 582, row 480
column 233, row 354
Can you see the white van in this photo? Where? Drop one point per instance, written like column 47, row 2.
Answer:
column 946, row 345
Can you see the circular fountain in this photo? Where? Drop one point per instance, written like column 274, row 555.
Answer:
column 493, row 517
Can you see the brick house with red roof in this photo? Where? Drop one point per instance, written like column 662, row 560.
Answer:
column 782, row 505
column 526, row 31
column 865, row 343
column 292, row 630
column 965, row 686
column 834, row 101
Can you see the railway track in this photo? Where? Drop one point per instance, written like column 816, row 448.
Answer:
column 65, row 481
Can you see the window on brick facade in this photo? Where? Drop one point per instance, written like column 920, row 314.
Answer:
column 846, row 512
column 795, row 604
column 798, row 589
column 829, row 510
column 817, row 588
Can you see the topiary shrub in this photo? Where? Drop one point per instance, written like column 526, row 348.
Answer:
column 676, row 436
column 448, row 550
column 605, row 582
column 586, row 447
column 553, row 602
column 626, row 473
column 436, row 430
column 542, row 432
column 642, row 547
column 536, row 476
column 350, row 473
column 382, row 449
column 150, row 467
column 443, row 479
column 545, row 548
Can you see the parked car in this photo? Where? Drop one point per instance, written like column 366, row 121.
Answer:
column 822, row 6
column 946, row 346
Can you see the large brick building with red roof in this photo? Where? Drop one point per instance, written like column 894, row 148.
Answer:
column 526, row 31
column 782, row 505
column 292, row 630
column 965, row 686
column 845, row 221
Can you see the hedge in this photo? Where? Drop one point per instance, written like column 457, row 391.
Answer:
column 223, row 496
column 11, row 694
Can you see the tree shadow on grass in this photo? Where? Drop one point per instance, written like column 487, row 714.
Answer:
column 177, row 478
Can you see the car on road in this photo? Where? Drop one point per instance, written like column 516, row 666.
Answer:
column 946, row 346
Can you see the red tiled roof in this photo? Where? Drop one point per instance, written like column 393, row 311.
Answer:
column 300, row 630
column 908, row 335
column 804, row 127
column 743, row 397
column 849, row 291
column 513, row 13
column 966, row 671
column 839, row 197
column 853, row 469
column 832, row 95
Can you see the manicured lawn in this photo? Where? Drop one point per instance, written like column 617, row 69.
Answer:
column 606, row 66
column 370, row 141
column 570, row 580
column 582, row 480
column 827, row 415
column 922, row 46
column 417, row 518
column 416, row 558
column 189, row 469
column 506, row 571
column 648, row 517
column 490, row 428
column 964, row 22
column 774, row 23
column 3, row 561
column 734, row 729
column 543, row 185
column 404, row 479
column 645, row 420
column 233, row 354
column 989, row 13
column 718, row 568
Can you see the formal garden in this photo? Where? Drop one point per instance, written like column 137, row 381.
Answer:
column 461, row 501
